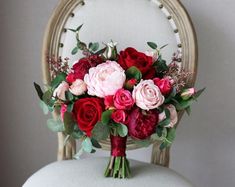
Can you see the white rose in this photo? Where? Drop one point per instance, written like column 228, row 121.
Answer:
column 147, row 95
column 78, row 87
column 60, row 90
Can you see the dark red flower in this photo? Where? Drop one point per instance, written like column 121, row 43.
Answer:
column 87, row 112
column 83, row 65
column 142, row 124
column 131, row 57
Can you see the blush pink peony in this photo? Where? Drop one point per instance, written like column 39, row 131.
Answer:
column 105, row 79
column 147, row 95
column 78, row 87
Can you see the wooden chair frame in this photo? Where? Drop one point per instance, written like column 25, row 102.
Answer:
column 51, row 45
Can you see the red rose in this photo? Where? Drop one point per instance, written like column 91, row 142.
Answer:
column 142, row 124
column 119, row 116
column 88, row 112
column 164, row 85
column 83, row 65
column 150, row 75
column 131, row 57
column 123, row 99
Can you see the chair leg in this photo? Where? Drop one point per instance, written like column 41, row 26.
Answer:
column 65, row 152
column 159, row 157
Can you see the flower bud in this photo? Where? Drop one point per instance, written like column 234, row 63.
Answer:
column 111, row 51
column 187, row 93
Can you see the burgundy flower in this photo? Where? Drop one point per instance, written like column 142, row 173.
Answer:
column 142, row 124
column 83, row 65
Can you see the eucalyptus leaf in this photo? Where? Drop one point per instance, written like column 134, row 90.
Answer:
column 134, row 72
column 100, row 131
column 87, row 145
column 106, row 116
column 47, row 98
column 94, row 46
column 77, row 134
column 78, row 155
column 74, row 51
column 55, row 125
column 122, row 130
column 39, row 90
column 68, row 122
column 152, row 45
column 44, row 107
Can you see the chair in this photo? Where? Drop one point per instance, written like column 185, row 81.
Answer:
column 130, row 22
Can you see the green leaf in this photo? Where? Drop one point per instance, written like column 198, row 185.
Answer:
column 79, row 27
column 87, row 145
column 122, row 130
column 39, row 90
column 100, row 131
column 188, row 110
column 163, row 46
column 44, row 107
column 73, row 30
column 106, row 115
column 152, row 45
column 94, row 46
column 59, row 78
column 172, row 94
column 160, row 137
column 74, row 51
column 77, row 134
column 198, row 93
column 47, row 98
column 134, row 72
column 55, row 125
column 163, row 145
column 69, row 96
column 95, row 143
column 101, row 51
column 171, row 135
column 183, row 104
column 68, row 122
column 166, row 121
column 70, row 107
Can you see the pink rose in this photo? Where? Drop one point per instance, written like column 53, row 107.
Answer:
column 60, row 90
column 105, row 79
column 123, row 99
column 119, row 116
column 63, row 109
column 147, row 95
column 164, row 85
column 78, row 87
column 187, row 93
column 173, row 116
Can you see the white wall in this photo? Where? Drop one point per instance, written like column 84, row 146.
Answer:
column 204, row 149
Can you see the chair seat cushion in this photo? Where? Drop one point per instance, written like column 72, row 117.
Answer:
column 89, row 173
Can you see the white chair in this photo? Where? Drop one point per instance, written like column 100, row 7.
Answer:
column 131, row 23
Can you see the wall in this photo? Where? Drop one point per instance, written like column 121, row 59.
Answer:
column 204, row 149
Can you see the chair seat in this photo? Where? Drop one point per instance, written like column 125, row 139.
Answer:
column 89, row 173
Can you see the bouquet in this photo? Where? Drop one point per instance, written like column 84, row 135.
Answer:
column 111, row 94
